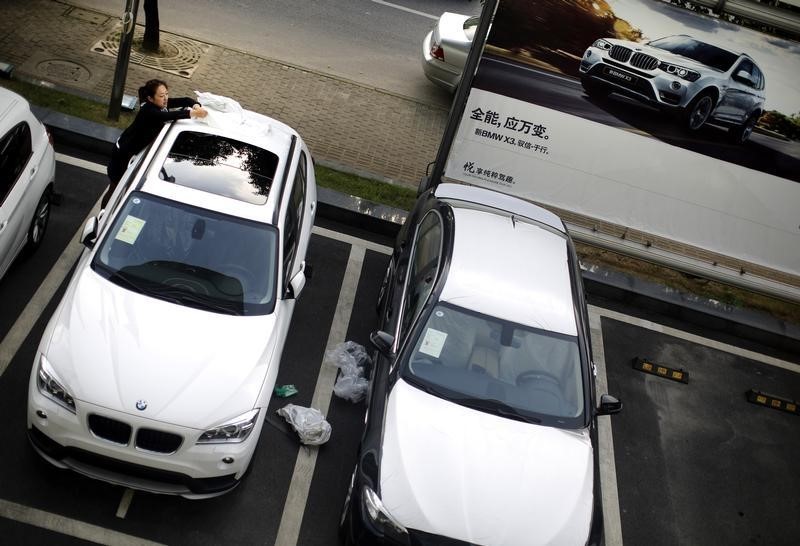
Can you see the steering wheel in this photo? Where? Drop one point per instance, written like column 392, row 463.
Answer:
column 187, row 284
column 539, row 376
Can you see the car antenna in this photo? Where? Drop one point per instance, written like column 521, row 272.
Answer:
column 513, row 221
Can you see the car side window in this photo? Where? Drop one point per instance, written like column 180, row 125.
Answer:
column 423, row 267
column 15, row 151
column 294, row 218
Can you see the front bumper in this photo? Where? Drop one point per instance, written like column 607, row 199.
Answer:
column 193, row 470
column 655, row 87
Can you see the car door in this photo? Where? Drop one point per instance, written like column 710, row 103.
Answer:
column 15, row 156
column 737, row 100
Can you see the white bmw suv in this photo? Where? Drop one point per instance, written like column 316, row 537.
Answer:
column 158, row 364
column 482, row 419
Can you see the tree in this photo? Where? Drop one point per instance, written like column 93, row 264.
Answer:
column 151, row 26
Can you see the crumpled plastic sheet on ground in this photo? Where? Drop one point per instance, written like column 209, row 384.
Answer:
column 309, row 423
column 351, row 359
column 227, row 114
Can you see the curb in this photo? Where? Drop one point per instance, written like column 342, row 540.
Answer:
column 747, row 324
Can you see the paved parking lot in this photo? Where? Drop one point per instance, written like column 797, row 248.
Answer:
column 682, row 464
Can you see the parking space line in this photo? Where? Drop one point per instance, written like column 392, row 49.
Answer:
column 403, row 8
column 605, row 439
column 66, row 526
column 297, row 497
column 82, row 163
column 24, row 323
column 125, row 503
column 349, row 239
column 711, row 343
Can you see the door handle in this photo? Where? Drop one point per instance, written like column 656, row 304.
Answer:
column 33, row 170
column 3, row 225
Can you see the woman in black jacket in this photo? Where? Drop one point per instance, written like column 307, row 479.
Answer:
column 154, row 109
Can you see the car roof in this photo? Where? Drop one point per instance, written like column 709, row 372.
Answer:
column 253, row 129
column 511, row 269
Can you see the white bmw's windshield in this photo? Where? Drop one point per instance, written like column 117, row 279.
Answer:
column 191, row 256
column 498, row 366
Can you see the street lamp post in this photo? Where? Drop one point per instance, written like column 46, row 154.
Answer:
column 123, row 56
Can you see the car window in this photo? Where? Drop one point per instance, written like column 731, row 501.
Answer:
column 294, row 218
column 470, row 26
column 190, row 256
column 220, row 165
column 467, row 356
column 15, row 151
column 423, row 268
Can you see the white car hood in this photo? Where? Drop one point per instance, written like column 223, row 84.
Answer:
column 473, row 476
column 113, row 347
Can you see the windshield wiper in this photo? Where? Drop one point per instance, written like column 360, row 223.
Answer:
column 490, row 405
column 195, row 300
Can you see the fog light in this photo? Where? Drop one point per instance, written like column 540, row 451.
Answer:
column 228, row 460
column 41, row 414
column 675, row 85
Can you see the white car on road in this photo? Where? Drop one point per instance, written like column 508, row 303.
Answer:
column 27, row 171
column 158, row 364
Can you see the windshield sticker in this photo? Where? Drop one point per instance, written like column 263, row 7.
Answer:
column 130, row 229
column 433, row 342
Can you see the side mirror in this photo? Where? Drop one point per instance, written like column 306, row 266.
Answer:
column 89, row 236
column 609, row 405
column 744, row 77
column 297, row 283
column 383, row 342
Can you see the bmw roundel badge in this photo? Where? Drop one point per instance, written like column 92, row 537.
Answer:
column 141, row 405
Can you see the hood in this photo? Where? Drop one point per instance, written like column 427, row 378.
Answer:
column 480, row 478
column 194, row 368
column 665, row 56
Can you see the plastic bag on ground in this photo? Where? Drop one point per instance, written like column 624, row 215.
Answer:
column 351, row 359
column 309, row 423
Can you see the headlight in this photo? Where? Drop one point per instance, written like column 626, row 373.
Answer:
column 601, row 44
column 233, row 431
column 681, row 72
column 378, row 513
column 52, row 387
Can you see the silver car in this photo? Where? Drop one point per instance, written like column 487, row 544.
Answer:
column 445, row 49
column 701, row 82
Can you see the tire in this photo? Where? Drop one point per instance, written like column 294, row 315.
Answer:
column 741, row 133
column 594, row 89
column 698, row 112
column 38, row 227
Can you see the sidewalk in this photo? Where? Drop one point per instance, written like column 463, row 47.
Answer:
column 347, row 125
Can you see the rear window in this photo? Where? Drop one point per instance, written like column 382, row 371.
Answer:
column 220, row 165
column 470, row 25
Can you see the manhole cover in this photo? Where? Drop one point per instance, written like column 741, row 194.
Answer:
column 178, row 55
column 66, row 71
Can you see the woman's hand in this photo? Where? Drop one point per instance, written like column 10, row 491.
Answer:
column 198, row 111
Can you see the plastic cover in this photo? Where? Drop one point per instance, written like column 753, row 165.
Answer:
column 309, row 423
column 351, row 359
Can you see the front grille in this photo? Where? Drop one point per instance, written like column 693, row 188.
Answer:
column 620, row 53
column 110, row 429
column 158, row 441
column 643, row 61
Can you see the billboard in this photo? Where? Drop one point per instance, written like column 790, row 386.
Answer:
column 644, row 115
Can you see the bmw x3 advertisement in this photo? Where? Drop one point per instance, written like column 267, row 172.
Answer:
column 662, row 116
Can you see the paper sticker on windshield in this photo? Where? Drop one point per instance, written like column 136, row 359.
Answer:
column 130, row 229
column 433, row 342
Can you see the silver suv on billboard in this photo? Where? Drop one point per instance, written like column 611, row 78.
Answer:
column 701, row 82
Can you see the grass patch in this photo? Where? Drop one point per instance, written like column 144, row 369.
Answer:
column 371, row 190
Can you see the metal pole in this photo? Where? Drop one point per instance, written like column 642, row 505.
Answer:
column 123, row 56
column 460, row 100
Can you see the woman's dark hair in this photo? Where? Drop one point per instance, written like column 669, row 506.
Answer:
column 149, row 89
